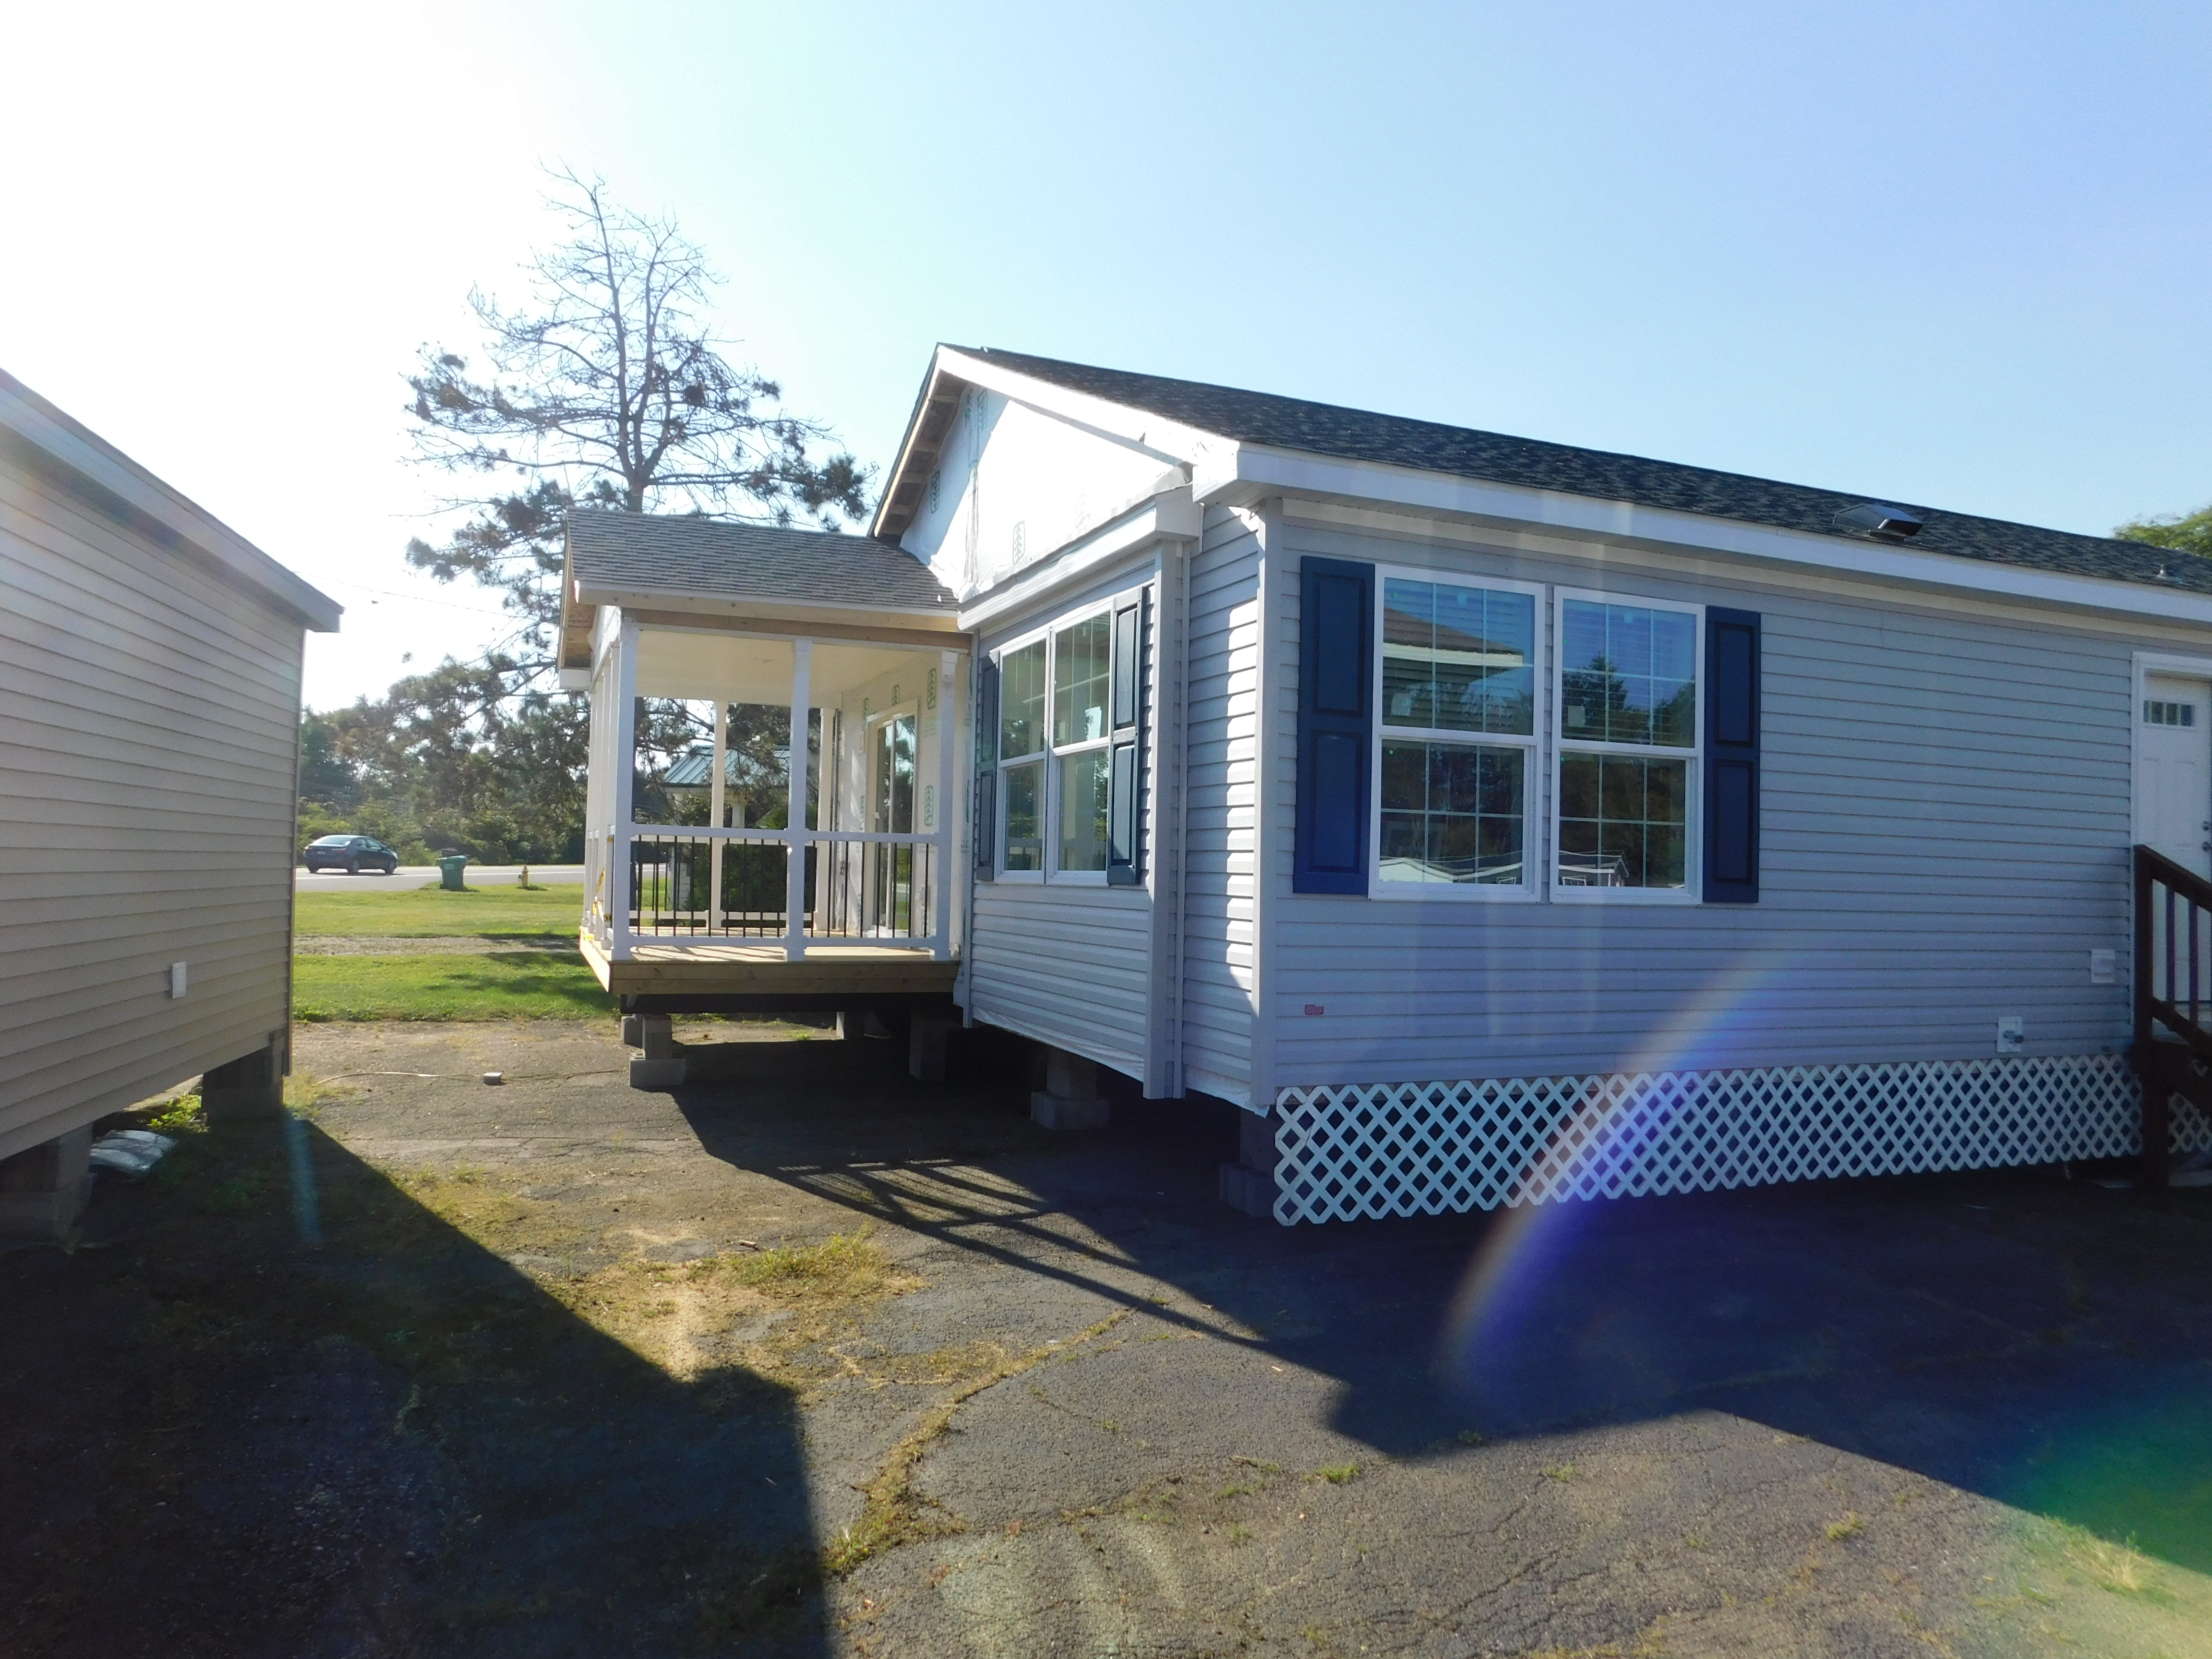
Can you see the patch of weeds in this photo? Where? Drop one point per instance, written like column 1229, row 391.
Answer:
column 2121, row 1569
column 1234, row 1490
column 1109, row 1425
column 1240, row 1533
column 305, row 1093
column 1696, row 1540
column 1468, row 1437
column 179, row 1116
column 1561, row 1472
column 1850, row 1526
column 1258, row 1463
column 843, row 1267
column 1338, row 1475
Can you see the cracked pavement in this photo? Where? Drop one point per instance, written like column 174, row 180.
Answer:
column 1085, row 1409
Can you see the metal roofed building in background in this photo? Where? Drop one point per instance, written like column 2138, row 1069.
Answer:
column 1325, row 429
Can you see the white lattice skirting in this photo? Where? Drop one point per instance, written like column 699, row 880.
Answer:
column 1351, row 1151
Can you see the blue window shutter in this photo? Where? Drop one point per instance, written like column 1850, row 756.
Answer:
column 1336, row 719
column 1732, row 653
column 1125, row 818
column 984, row 852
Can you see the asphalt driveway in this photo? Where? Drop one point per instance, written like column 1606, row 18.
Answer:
column 815, row 1360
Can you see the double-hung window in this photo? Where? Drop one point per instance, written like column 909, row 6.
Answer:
column 1063, row 731
column 1082, row 678
column 1458, row 675
column 1627, row 744
column 1021, row 760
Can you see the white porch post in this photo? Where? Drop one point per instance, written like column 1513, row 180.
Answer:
column 794, row 913
column 618, row 839
column 947, row 844
column 714, row 809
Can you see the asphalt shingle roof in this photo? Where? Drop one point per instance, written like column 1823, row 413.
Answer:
column 638, row 551
column 1260, row 417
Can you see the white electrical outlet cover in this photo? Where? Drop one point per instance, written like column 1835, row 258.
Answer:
column 2103, row 967
column 177, row 979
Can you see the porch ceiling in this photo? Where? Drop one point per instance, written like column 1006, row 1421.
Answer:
column 738, row 668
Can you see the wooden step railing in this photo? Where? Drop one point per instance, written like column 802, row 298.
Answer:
column 2172, row 1051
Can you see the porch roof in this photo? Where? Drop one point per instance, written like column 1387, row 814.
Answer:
column 638, row 558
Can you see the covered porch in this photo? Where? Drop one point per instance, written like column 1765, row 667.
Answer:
column 770, row 811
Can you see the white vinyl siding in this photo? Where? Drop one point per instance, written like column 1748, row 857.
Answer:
column 148, row 759
column 1945, row 805
column 1068, row 962
column 1219, row 978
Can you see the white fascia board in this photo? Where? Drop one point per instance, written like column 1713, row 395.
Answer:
column 688, row 599
column 1168, row 441
column 109, row 470
column 1171, row 515
column 1258, row 473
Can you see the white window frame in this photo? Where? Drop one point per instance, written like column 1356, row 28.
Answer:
column 1050, row 754
column 1694, row 832
column 1535, row 856
column 1040, row 757
column 1054, row 752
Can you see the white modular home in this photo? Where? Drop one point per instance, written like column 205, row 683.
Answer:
column 1495, row 821
column 149, row 727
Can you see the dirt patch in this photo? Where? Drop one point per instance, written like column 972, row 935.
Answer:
column 822, row 1361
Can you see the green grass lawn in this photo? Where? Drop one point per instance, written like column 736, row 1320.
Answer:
column 505, row 985
column 427, row 912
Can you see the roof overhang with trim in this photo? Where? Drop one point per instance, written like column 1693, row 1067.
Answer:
column 1618, row 501
column 49, row 443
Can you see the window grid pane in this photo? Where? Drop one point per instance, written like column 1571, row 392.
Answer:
column 1085, row 792
column 1024, row 848
column 1627, row 674
column 1082, row 675
column 1453, row 813
column 1458, row 659
column 1624, row 822
column 1021, row 702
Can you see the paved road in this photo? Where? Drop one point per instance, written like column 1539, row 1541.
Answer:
column 416, row 875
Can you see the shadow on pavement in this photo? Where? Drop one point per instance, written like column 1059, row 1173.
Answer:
column 2044, row 1343
column 220, row 1443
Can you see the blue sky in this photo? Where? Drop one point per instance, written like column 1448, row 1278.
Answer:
column 1954, row 254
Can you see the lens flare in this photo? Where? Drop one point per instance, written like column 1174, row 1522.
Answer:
column 1518, row 1262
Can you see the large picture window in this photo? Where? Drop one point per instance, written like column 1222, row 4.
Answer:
column 1458, row 663
column 1627, row 738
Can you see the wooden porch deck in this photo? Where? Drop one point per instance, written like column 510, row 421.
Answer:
column 730, row 967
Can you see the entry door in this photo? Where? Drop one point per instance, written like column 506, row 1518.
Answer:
column 2173, row 770
column 893, row 766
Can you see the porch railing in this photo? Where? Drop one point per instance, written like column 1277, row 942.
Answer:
column 669, row 884
column 2172, row 1051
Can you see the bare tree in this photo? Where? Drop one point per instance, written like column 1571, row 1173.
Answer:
column 607, row 389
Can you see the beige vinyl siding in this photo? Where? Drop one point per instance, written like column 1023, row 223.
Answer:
column 1219, row 979
column 1067, row 963
column 148, row 732
column 1946, row 817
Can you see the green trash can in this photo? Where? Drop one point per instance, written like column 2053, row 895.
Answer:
column 449, row 872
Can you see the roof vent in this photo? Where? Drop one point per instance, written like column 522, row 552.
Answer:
column 1891, row 524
